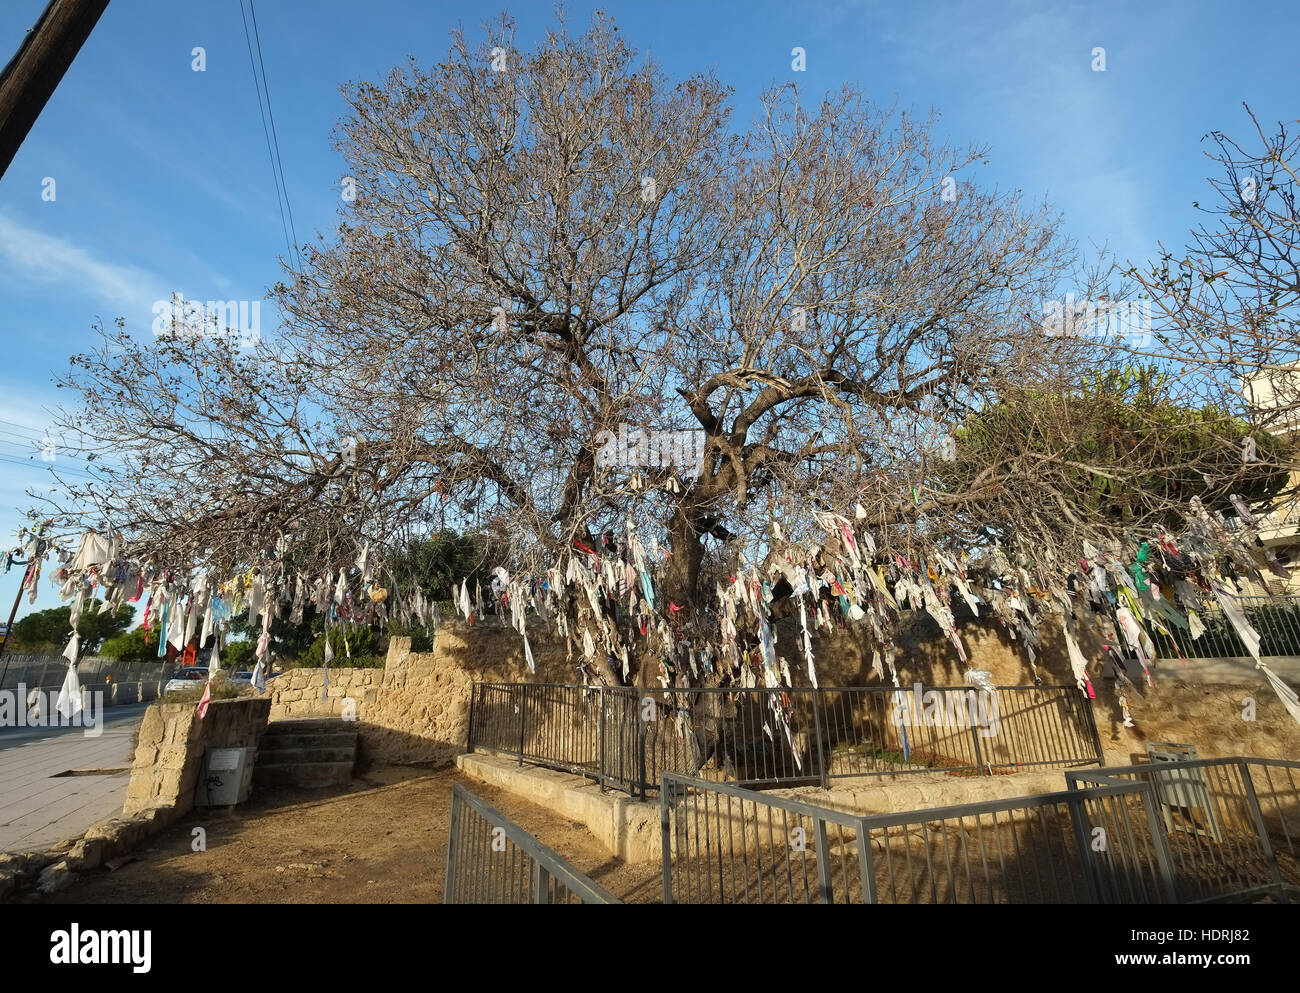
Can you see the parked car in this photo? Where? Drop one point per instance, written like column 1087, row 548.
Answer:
column 245, row 678
column 186, row 678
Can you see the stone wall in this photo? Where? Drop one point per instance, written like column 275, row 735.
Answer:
column 173, row 740
column 416, row 708
column 1198, row 703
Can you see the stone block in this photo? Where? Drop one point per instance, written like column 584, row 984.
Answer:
column 87, row 854
column 152, row 726
column 54, row 877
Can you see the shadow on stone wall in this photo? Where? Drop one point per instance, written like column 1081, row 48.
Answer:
column 416, row 708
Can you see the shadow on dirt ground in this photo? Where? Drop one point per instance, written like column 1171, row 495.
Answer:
column 382, row 839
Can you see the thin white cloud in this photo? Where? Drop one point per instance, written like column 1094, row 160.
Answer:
column 1033, row 63
column 33, row 256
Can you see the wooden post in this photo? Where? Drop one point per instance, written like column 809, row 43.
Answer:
column 30, row 78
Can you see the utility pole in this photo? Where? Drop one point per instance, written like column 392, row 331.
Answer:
column 39, row 548
column 9, row 628
column 31, row 76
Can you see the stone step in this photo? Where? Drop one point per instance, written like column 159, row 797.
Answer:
column 303, row 775
column 308, row 754
column 321, row 739
column 309, row 725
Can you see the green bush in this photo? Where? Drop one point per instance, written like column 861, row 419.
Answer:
column 420, row 640
column 368, row 650
column 137, row 645
column 222, row 689
column 239, row 655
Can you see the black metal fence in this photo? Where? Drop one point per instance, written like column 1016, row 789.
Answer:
column 628, row 738
column 726, row 844
column 1231, row 825
column 1276, row 618
column 490, row 859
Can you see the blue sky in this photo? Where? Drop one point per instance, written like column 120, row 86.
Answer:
column 163, row 183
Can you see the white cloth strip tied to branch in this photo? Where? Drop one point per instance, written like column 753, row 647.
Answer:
column 1137, row 639
column 263, row 648
column 807, row 642
column 1284, row 692
column 192, row 616
column 1245, row 630
column 176, row 623
column 462, row 599
column 69, row 703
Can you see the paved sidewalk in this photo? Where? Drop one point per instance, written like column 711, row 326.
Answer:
column 38, row 807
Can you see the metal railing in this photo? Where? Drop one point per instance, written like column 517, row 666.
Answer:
column 628, row 738
column 1276, row 618
column 490, row 859
column 726, row 844
column 1231, row 825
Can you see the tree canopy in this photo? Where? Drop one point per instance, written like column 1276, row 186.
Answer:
column 49, row 630
column 787, row 316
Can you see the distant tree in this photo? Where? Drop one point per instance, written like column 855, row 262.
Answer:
column 359, row 648
column 1120, row 444
column 238, row 655
column 137, row 645
column 50, row 629
column 1227, row 304
column 439, row 563
column 288, row 640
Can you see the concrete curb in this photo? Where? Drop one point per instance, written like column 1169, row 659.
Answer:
column 628, row 828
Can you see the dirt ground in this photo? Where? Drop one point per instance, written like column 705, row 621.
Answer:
column 383, row 839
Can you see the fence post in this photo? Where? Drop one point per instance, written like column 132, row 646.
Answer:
column 824, row 863
column 866, row 863
column 972, row 708
column 453, row 837
column 1092, row 726
column 541, row 883
column 817, row 730
column 523, row 709
column 666, row 797
column 640, row 741
column 1164, row 859
column 1086, row 862
column 1258, row 816
column 469, row 731
column 600, row 740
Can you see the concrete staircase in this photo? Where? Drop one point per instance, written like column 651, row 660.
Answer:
column 306, row 754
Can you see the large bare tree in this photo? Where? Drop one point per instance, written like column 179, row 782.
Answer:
column 549, row 248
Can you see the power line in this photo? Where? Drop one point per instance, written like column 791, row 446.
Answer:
column 257, row 86
column 30, row 432
column 49, row 465
column 275, row 136
column 66, row 459
column 21, row 438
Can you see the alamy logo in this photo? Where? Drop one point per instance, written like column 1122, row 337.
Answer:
column 1099, row 319
column 946, row 708
column 183, row 319
column 23, row 708
column 102, row 947
column 636, row 447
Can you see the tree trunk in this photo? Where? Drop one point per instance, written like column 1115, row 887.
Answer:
column 681, row 574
